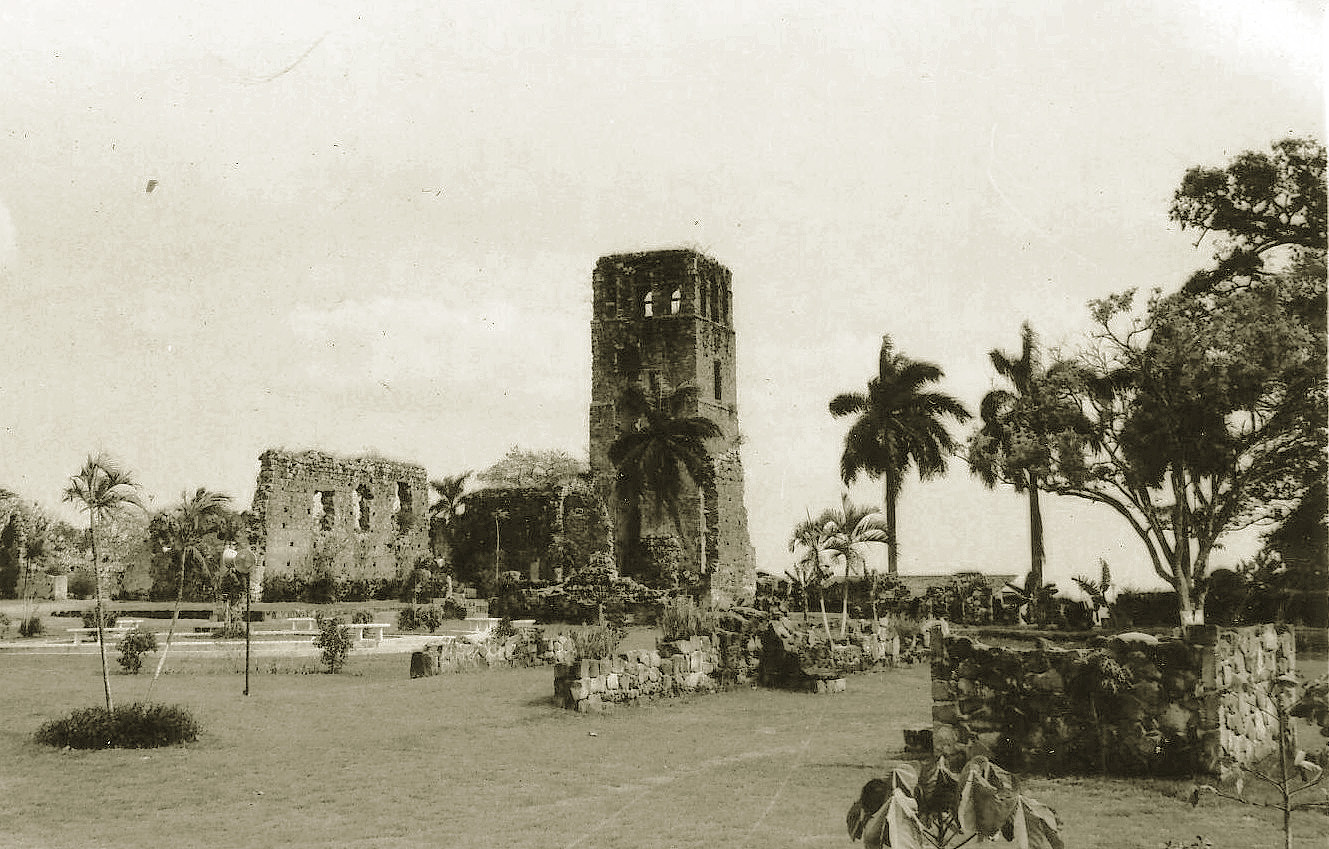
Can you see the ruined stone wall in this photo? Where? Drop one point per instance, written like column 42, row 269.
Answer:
column 1132, row 704
column 347, row 518
column 749, row 648
column 636, row 676
column 682, row 336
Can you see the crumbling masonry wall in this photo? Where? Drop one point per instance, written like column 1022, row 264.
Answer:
column 664, row 320
column 1132, row 704
column 344, row 518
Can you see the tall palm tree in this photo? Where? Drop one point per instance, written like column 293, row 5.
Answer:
column 1004, row 415
column 182, row 529
column 101, row 489
column 898, row 424
column 661, row 450
column 1018, row 440
column 810, row 569
column 444, row 511
column 847, row 529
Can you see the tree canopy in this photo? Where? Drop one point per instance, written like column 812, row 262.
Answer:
column 525, row 468
column 1208, row 407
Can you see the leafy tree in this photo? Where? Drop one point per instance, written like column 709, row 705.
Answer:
column 846, row 530
column 1206, row 412
column 522, row 468
column 898, row 424
column 661, row 450
column 182, row 530
column 1259, row 203
column 443, row 513
column 101, row 489
column 1024, row 431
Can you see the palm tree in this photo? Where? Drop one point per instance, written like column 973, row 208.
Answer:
column 847, row 529
column 810, row 534
column 662, row 448
column 1016, row 443
column 444, row 511
column 101, row 489
column 181, row 530
column 1001, row 412
column 898, row 424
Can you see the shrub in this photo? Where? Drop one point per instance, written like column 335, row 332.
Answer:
column 504, row 629
column 453, row 609
column 132, row 726
column 407, row 619
column 4, row 625
column 681, row 617
column 334, row 644
column 429, row 616
column 90, row 617
column 132, row 648
column 33, row 626
column 361, row 616
column 597, row 641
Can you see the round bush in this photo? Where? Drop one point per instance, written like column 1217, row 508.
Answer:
column 132, row 647
column 133, row 726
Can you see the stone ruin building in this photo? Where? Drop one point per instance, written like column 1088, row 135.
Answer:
column 347, row 518
column 664, row 319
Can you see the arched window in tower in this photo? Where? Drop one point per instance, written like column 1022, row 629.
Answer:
column 675, row 301
column 715, row 300
column 704, row 290
column 646, row 304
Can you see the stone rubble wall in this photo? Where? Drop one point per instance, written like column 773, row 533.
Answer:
column 528, row 647
column 749, row 649
column 640, row 675
column 1131, row 704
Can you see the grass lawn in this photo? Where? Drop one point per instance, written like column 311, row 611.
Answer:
column 370, row 758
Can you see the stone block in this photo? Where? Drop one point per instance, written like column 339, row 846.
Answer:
column 945, row 712
column 611, row 682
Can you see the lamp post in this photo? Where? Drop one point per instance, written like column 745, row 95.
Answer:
column 242, row 563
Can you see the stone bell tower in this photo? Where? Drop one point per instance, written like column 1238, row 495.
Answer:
column 664, row 319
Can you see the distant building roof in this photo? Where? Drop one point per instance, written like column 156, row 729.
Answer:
column 919, row 584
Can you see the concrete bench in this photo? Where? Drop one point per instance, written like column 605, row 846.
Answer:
column 303, row 624
column 356, row 630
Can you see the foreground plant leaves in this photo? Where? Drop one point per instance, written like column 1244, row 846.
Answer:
column 984, row 808
column 1035, row 826
column 896, row 825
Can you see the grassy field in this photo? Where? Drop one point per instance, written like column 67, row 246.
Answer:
column 370, row 758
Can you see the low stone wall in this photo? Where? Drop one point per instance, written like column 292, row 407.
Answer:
column 675, row 669
column 1130, row 704
column 749, row 648
column 527, row 647
column 797, row 655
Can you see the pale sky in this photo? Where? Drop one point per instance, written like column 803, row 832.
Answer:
column 374, row 224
